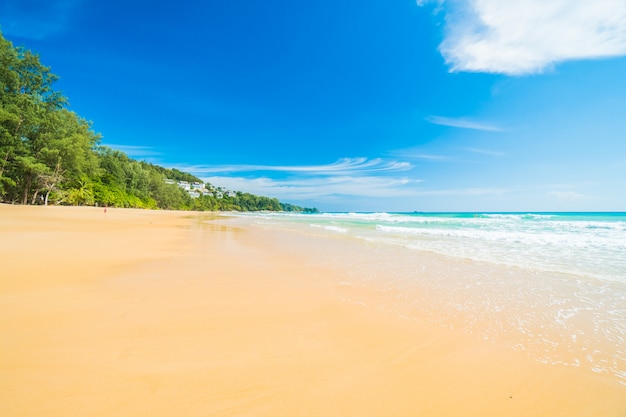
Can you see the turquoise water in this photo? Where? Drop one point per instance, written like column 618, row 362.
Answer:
column 550, row 284
column 585, row 244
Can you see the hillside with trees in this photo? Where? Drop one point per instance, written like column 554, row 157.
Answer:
column 50, row 155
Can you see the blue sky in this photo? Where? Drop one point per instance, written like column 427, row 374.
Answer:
column 464, row 105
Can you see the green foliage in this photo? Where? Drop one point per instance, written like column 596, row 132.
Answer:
column 292, row 208
column 43, row 146
column 48, row 154
column 174, row 174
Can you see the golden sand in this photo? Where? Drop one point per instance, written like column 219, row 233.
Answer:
column 139, row 313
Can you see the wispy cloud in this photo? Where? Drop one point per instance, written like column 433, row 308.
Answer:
column 418, row 154
column 487, row 152
column 136, row 151
column 429, row 157
column 477, row 191
column 36, row 19
column 346, row 177
column 357, row 179
column 566, row 195
column 522, row 37
column 463, row 123
column 341, row 166
column 320, row 188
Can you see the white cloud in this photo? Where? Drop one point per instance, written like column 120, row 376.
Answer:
column 417, row 154
column 429, row 157
column 319, row 188
column 343, row 165
column 346, row 177
column 322, row 189
column 135, row 151
column 463, row 123
column 522, row 37
column 488, row 152
column 478, row 191
column 566, row 195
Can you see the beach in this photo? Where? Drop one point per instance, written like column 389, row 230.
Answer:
column 157, row 313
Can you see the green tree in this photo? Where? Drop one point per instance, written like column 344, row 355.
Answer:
column 82, row 193
column 32, row 117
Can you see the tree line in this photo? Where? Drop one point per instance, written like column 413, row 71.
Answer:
column 50, row 155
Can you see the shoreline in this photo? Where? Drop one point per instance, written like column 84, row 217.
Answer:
column 553, row 316
column 137, row 312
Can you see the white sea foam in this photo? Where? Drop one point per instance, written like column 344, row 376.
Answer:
column 555, row 281
column 336, row 229
column 591, row 247
column 331, row 228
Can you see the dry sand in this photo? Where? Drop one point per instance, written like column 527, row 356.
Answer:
column 140, row 313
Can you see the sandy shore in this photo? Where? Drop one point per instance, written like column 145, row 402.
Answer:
column 139, row 313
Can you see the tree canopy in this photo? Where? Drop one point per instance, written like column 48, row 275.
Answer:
column 50, row 155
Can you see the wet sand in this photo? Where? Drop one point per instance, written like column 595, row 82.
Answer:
column 144, row 313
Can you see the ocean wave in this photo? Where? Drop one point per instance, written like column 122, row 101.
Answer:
column 330, row 228
column 581, row 244
column 539, row 237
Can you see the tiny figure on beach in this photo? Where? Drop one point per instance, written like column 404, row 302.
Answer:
column 105, row 209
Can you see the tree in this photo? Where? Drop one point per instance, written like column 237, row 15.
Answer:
column 50, row 181
column 27, row 101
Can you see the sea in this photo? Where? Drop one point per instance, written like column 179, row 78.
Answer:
column 550, row 284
